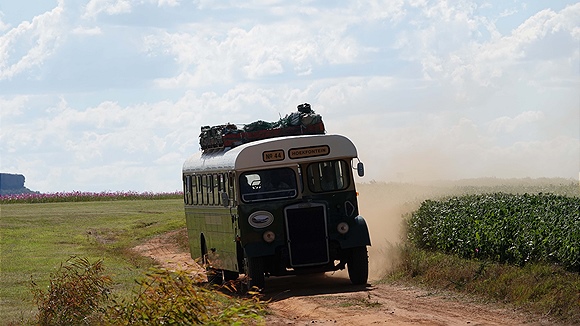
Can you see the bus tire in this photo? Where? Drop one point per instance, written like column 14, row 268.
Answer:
column 230, row 275
column 214, row 276
column 203, row 246
column 255, row 273
column 358, row 265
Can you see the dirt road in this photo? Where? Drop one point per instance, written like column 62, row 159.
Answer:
column 330, row 299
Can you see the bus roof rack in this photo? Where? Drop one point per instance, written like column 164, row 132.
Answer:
column 302, row 122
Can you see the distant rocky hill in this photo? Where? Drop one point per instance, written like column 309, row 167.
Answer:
column 11, row 184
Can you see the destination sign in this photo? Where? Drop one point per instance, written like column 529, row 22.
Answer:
column 271, row 156
column 303, row 152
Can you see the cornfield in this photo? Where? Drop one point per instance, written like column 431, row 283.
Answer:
column 507, row 228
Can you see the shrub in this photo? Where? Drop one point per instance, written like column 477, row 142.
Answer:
column 174, row 298
column 75, row 295
column 78, row 294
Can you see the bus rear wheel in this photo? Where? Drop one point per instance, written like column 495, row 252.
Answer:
column 219, row 276
column 214, row 276
column 230, row 275
column 358, row 265
column 255, row 273
column 203, row 246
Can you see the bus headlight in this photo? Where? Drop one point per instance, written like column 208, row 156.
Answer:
column 261, row 219
column 342, row 227
column 269, row 236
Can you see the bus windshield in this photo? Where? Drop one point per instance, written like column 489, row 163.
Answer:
column 269, row 184
column 328, row 176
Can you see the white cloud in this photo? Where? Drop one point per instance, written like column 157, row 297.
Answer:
column 170, row 3
column 87, row 30
column 110, row 7
column 30, row 43
column 221, row 54
column 508, row 12
column 509, row 125
column 461, row 58
column 12, row 106
column 384, row 9
column 3, row 26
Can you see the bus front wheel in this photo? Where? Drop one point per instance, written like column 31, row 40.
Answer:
column 255, row 272
column 358, row 265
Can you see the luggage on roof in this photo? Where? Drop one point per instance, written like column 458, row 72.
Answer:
column 302, row 122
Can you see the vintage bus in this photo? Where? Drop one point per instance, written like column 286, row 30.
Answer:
column 278, row 206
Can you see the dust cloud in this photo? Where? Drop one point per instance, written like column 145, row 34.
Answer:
column 384, row 207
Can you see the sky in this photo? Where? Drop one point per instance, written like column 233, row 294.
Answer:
column 110, row 95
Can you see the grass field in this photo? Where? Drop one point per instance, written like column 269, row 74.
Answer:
column 36, row 238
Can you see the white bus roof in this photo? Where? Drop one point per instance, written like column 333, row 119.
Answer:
column 273, row 152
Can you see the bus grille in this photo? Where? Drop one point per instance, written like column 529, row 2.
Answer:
column 307, row 235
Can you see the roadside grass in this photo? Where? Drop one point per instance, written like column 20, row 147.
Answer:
column 36, row 238
column 541, row 289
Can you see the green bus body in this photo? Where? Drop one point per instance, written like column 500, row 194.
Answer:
column 274, row 207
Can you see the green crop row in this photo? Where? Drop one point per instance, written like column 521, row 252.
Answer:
column 507, row 228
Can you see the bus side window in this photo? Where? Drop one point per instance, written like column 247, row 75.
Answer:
column 216, row 189
column 193, row 190
column 189, row 190
column 328, row 176
column 208, row 189
column 314, row 176
column 224, row 185
column 340, row 175
column 231, row 191
column 198, row 192
column 185, row 189
column 204, row 190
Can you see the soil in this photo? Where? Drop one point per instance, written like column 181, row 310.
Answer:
column 330, row 299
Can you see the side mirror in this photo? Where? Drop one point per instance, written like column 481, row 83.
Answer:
column 360, row 169
column 225, row 199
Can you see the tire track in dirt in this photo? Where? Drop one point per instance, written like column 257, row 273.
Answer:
column 169, row 255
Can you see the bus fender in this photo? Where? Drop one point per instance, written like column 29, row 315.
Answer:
column 358, row 234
